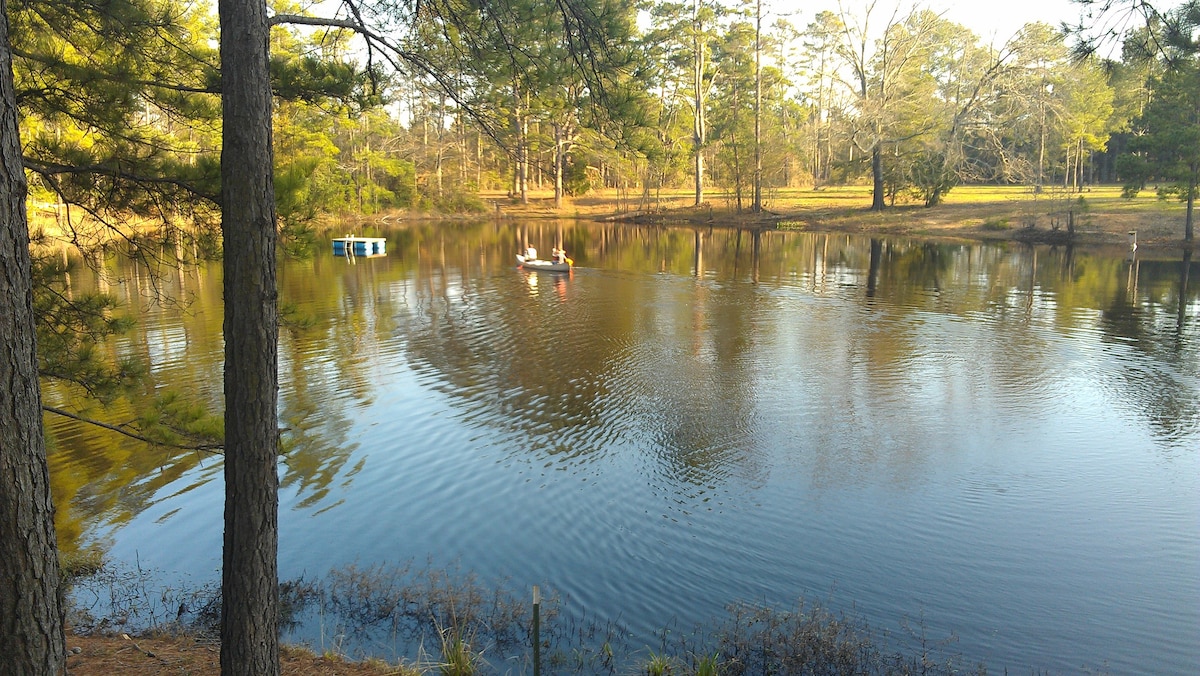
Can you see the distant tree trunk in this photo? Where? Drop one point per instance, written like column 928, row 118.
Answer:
column 560, row 162
column 877, row 177
column 737, row 160
column 462, row 149
column 516, row 134
column 1190, row 219
column 249, row 582
column 699, row 118
column 1037, row 189
column 758, row 168
column 441, row 142
column 523, row 149
column 31, row 621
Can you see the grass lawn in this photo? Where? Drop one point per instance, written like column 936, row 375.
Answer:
column 1100, row 214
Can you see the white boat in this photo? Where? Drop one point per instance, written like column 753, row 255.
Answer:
column 539, row 264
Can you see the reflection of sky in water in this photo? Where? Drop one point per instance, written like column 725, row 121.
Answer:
column 989, row 442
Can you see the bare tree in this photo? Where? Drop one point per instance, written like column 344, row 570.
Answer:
column 877, row 64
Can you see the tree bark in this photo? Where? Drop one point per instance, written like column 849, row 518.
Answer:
column 560, row 162
column 877, row 203
column 758, row 168
column 31, row 621
column 249, row 582
column 699, row 120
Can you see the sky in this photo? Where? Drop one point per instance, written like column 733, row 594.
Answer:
column 992, row 20
column 1003, row 18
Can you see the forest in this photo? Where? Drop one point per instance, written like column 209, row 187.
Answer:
column 120, row 108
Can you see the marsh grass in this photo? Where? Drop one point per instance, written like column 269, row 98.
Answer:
column 80, row 564
column 485, row 629
column 659, row 665
column 133, row 599
column 708, row 665
column 458, row 659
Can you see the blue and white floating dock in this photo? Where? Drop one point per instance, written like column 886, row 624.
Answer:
column 359, row 246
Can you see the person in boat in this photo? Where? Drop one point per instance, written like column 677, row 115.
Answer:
column 530, row 252
column 558, row 255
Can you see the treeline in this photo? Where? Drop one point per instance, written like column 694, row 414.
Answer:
column 121, row 111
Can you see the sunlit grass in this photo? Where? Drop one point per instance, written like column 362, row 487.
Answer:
column 836, row 199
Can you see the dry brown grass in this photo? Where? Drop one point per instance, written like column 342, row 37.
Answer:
column 109, row 655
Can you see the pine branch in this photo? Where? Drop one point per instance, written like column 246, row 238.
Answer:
column 120, row 429
column 53, row 169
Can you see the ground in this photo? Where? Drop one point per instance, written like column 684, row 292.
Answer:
column 108, row 655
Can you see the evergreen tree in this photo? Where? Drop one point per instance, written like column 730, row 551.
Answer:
column 1166, row 141
column 31, row 615
column 249, row 571
column 1166, row 145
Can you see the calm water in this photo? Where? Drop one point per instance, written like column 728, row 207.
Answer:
column 1001, row 441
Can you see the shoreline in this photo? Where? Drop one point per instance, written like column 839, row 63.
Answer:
column 1101, row 217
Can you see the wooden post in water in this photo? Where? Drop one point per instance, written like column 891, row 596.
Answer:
column 537, row 627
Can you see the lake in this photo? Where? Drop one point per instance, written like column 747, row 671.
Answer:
column 998, row 442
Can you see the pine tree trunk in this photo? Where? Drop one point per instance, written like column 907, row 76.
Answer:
column 31, row 621
column 249, row 583
column 758, row 168
column 560, row 162
column 699, row 120
column 523, row 150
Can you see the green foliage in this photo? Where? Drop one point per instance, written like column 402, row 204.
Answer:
column 311, row 79
column 72, row 332
column 459, row 202
column 575, row 178
column 118, row 114
column 1136, row 170
column 659, row 665
column 708, row 665
column 1167, row 148
column 177, row 420
column 80, row 564
column 932, row 177
column 457, row 657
